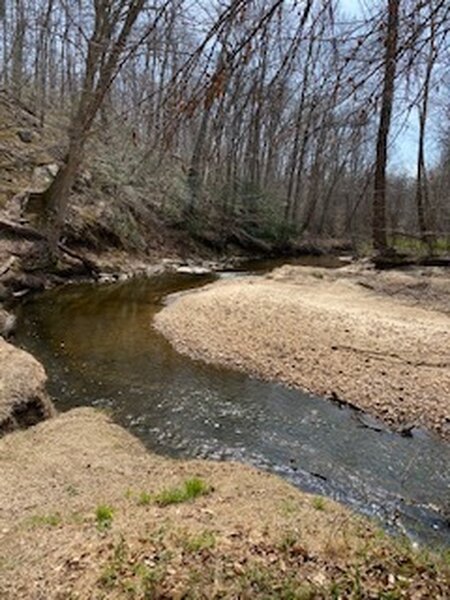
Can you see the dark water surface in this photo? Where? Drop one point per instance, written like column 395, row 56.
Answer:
column 99, row 348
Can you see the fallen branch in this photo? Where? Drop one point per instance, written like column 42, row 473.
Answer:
column 20, row 230
column 246, row 240
column 393, row 262
column 29, row 233
column 419, row 237
column 90, row 265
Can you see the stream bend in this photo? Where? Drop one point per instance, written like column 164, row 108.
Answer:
column 99, row 348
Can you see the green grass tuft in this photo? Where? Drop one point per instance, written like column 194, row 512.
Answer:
column 206, row 540
column 144, row 499
column 319, row 503
column 104, row 516
column 50, row 520
column 191, row 489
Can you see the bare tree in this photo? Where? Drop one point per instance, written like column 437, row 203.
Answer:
column 112, row 29
column 275, row 115
column 17, row 51
column 379, row 193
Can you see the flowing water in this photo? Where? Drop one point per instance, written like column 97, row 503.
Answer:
column 99, row 348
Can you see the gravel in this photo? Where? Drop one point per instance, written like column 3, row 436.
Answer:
column 364, row 337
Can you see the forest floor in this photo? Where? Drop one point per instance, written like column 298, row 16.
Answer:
column 86, row 512
column 377, row 340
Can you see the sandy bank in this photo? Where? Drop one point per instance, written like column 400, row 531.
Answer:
column 23, row 399
column 378, row 340
column 251, row 536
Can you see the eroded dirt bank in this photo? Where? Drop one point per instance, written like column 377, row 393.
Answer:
column 87, row 512
column 378, row 340
column 23, row 398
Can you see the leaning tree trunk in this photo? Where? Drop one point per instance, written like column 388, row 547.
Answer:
column 379, row 196
column 56, row 195
column 102, row 65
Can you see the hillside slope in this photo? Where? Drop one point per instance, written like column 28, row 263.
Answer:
column 119, row 207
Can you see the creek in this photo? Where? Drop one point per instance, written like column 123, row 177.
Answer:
column 99, row 348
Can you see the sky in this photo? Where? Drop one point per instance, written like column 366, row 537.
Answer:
column 403, row 149
column 352, row 7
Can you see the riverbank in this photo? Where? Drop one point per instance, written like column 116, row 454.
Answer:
column 23, row 397
column 377, row 340
column 87, row 512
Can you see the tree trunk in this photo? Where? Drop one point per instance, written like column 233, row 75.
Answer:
column 195, row 175
column 422, row 192
column 379, row 196
column 102, row 65
column 18, row 49
column 56, row 195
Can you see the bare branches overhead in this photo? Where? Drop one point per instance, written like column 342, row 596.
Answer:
column 283, row 110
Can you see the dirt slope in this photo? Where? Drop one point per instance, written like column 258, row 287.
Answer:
column 113, row 216
column 23, row 399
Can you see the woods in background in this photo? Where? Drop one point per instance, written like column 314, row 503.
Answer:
column 278, row 116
